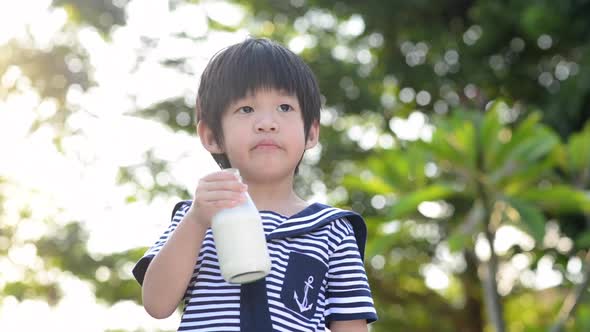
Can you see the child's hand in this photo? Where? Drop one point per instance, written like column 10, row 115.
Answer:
column 216, row 191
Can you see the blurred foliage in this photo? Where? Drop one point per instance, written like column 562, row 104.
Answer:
column 63, row 249
column 501, row 91
column 378, row 62
column 155, row 167
column 480, row 183
column 102, row 15
column 461, row 52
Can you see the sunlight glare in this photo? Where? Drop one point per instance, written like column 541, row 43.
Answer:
column 574, row 265
column 508, row 236
column 45, row 30
column 353, row 27
column 413, row 128
column 90, row 316
column 431, row 209
column 482, row 248
column 546, row 275
column 148, row 18
column 15, row 16
column 190, row 19
column 435, row 277
column 24, row 255
column 225, row 13
column 11, row 76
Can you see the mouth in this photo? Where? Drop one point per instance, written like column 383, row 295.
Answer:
column 266, row 145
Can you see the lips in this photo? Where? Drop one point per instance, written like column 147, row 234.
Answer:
column 267, row 144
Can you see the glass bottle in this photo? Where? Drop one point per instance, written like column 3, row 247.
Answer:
column 240, row 242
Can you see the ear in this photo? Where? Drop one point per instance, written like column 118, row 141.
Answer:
column 208, row 138
column 313, row 136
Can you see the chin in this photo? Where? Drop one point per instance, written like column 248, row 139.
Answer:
column 270, row 172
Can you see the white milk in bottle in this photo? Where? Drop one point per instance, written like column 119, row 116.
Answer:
column 240, row 242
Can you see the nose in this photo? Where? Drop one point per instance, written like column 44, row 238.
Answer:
column 266, row 123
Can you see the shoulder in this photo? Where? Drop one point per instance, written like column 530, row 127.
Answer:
column 349, row 222
column 324, row 211
column 180, row 208
column 341, row 227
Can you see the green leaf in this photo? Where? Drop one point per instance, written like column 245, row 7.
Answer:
column 558, row 199
column 462, row 236
column 531, row 217
column 490, row 131
column 524, row 176
column 408, row 204
column 379, row 245
column 374, row 185
column 454, row 139
column 524, row 131
column 524, row 152
column 458, row 242
column 533, row 146
column 583, row 241
column 416, row 159
column 466, row 142
column 491, row 124
column 578, row 152
column 391, row 166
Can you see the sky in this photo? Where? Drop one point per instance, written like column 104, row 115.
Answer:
column 80, row 184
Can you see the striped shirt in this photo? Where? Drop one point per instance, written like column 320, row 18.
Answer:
column 317, row 273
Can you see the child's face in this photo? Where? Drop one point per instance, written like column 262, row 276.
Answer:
column 264, row 135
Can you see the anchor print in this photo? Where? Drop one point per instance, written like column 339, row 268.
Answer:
column 303, row 306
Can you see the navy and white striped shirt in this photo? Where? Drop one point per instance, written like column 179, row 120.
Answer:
column 317, row 273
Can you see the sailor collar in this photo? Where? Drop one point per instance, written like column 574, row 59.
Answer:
column 312, row 217
column 315, row 216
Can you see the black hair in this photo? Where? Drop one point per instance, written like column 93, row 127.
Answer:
column 244, row 68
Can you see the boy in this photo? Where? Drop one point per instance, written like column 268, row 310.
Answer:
column 258, row 110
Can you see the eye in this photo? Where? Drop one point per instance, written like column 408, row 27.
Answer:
column 284, row 108
column 245, row 109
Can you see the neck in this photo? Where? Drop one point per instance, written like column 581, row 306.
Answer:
column 278, row 197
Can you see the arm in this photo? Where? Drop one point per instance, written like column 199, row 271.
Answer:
column 359, row 325
column 349, row 302
column 170, row 271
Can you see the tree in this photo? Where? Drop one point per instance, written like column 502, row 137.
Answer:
column 487, row 175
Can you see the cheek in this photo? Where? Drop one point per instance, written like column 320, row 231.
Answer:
column 231, row 129
column 297, row 137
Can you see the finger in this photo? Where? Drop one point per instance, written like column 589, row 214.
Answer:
column 220, row 176
column 220, row 195
column 227, row 185
column 226, row 204
column 219, row 204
